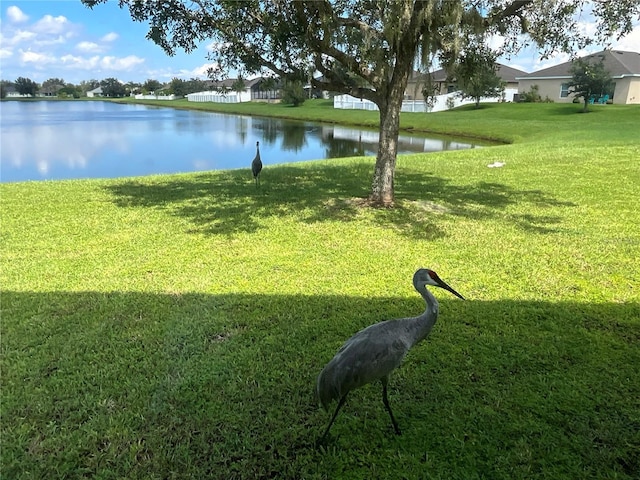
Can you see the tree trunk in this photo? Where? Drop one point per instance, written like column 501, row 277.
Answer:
column 389, row 96
column 382, row 192
column 389, row 105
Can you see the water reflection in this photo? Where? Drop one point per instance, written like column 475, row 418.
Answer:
column 56, row 140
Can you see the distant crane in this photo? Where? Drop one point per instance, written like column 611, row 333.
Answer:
column 256, row 165
column 374, row 352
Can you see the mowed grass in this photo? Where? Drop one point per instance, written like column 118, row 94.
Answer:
column 173, row 326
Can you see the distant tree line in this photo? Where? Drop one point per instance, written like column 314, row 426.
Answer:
column 111, row 87
column 293, row 91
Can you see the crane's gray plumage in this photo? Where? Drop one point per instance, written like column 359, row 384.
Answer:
column 374, row 352
column 256, row 165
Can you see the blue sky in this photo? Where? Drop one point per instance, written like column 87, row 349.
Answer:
column 43, row 39
column 64, row 39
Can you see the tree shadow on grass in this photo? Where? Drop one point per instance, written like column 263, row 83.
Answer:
column 221, row 386
column 228, row 203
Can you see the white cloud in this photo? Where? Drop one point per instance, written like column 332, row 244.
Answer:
column 52, row 25
column 183, row 73
column 103, row 63
column 110, row 37
column 529, row 59
column 120, row 64
column 41, row 47
column 629, row 43
column 39, row 59
column 496, row 42
column 16, row 15
column 588, row 28
column 17, row 37
column 89, row 47
column 48, row 31
column 59, row 40
column 81, row 63
column 201, row 71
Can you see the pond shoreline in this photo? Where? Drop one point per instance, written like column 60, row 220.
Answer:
column 319, row 111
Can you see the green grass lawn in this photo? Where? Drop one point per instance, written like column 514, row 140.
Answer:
column 173, row 326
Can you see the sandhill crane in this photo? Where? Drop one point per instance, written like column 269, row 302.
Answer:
column 256, row 165
column 374, row 352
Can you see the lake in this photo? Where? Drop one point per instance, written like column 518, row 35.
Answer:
column 51, row 140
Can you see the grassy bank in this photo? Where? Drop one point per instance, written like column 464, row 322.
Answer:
column 173, row 326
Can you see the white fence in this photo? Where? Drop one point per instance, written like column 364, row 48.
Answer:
column 155, row 97
column 213, row 96
column 442, row 102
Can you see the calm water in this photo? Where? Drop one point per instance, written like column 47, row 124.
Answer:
column 60, row 140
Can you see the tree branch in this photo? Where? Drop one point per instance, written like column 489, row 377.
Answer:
column 353, row 23
column 334, row 82
column 514, row 9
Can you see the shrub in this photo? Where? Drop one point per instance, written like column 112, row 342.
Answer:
column 293, row 93
column 532, row 96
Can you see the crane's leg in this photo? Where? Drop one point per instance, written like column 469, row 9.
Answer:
column 385, row 400
column 335, row 414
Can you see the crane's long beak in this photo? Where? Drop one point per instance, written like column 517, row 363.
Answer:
column 447, row 287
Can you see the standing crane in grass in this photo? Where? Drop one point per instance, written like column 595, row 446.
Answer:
column 256, row 165
column 374, row 352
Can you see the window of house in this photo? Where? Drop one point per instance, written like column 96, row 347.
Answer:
column 564, row 90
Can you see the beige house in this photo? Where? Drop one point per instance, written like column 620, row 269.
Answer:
column 444, row 84
column 624, row 67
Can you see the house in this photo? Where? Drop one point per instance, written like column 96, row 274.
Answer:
column 444, row 84
column 257, row 89
column 624, row 67
column 96, row 92
column 265, row 89
column 48, row 90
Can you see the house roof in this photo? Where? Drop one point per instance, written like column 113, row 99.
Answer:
column 506, row 73
column 228, row 82
column 616, row 62
column 509, row 74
